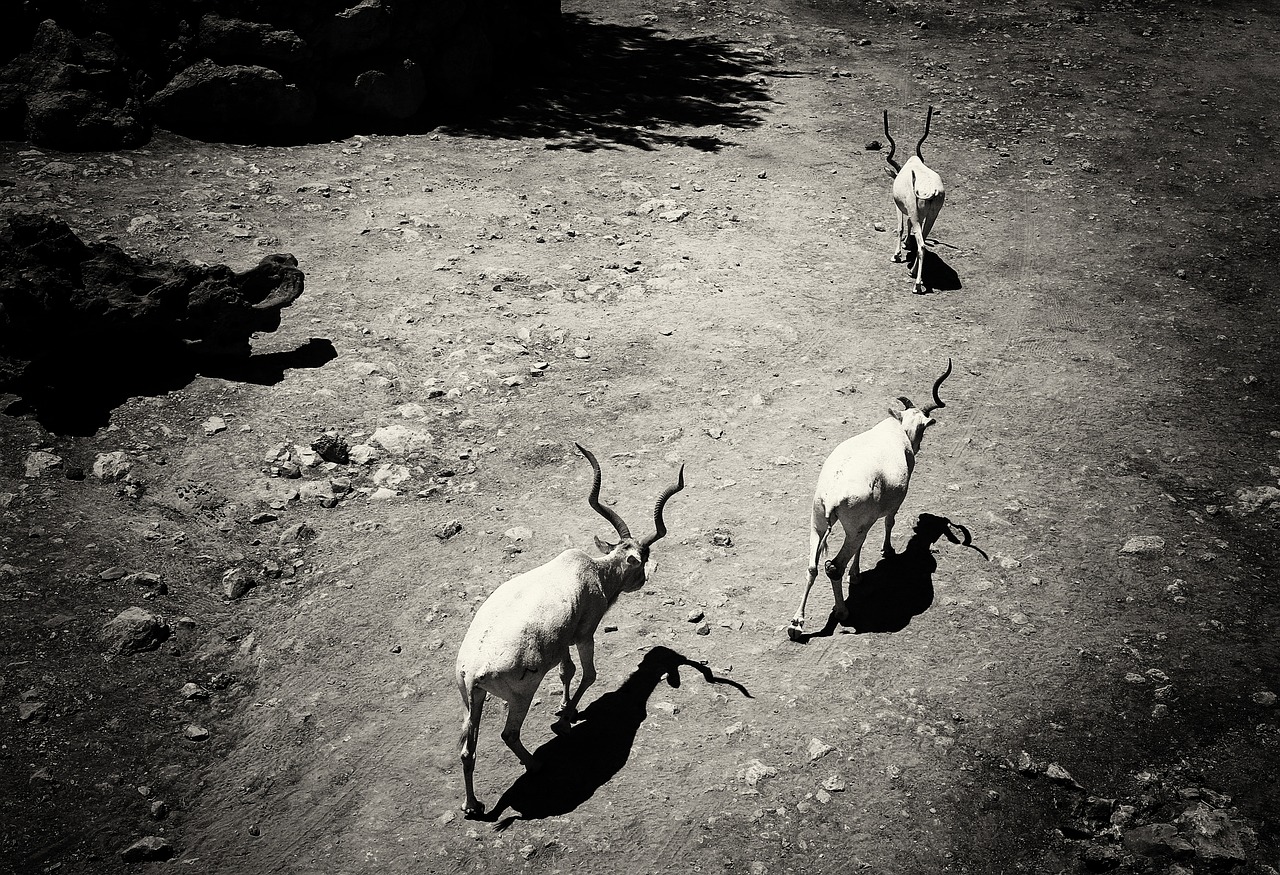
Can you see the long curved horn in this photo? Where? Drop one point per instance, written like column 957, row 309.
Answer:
column 594, row 498
column 907, row 403
column 659, row 527
column 937, row 402
column 928, row 118
column 893, row 147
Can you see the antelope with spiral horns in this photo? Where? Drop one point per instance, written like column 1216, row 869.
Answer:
column 528, row 624
column 863, row 480
column 919, row 194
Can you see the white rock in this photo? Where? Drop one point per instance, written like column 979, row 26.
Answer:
column 362, row 454
column 1143, row 545
column 213, row 425
column 400, row 439
column 818, row 749
column 111, row 466
column 755, row 771
column 39, row 462
column 391, row 476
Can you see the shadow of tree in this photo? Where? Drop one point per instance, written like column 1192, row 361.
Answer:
column 74, row 395
column 587, row 754
column 619, row 85
column 901, row 584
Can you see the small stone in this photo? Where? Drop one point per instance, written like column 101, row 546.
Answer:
column 518, row 533
column 1265, row 698
column 822, row 796
column 722, row 538
column 512, row 382
column 113, row 573
column 40, row 776
column 194, row 732
column 363, row 454
column 236, row 582
column 332, row 448
column 834, row 783
column 763, row 174
column 259, row 518
column 191, row 691
column 733, row 729
column 297, row 532
column 695, row 616
column 148, row 848
column 1055, row 772
column 110, row 467
column 703, row 628
column 668, row 708
column 449, row 530
column 1143, row 545
column 580, row 353
column 1026, row 765
column 132, row 631
column 159, row 810
column 818, row 749
column 754, row 772
column 213, row 425
column 872, row 146
column 33, row 712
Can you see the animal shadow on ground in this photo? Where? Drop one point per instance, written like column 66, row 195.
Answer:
column 614, row 85
column 74, row 395
column 901, row 585
column 938, row 275
column 585, row 755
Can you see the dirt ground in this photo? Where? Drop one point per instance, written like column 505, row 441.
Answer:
column 685, row 226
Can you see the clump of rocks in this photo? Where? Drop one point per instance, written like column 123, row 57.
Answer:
column 99, row 75
column 63, row 300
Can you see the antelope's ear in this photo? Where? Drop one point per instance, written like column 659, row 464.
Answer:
column 890, row 172
column 896, row 414
column 602, row 545
column 930, row 421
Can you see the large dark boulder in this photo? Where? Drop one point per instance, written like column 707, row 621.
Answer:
column 379, row 90
column 213, row 100
column 97, row 74
column 234, row 41
column 72, row 92
column 62, row 299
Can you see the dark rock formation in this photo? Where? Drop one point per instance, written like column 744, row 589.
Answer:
column 211, row 100
column 62, row 300
column 96, row 74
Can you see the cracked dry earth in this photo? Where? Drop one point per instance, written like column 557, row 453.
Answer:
column 686, row 268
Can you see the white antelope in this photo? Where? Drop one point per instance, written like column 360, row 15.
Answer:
column 863, row 480
column 919, row 194
column 528, row 624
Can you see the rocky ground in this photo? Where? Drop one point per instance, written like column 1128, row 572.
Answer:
column 231, row 599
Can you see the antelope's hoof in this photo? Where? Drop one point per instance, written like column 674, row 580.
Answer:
column 473, row 810
column 796, row 630
column 833, row 571
column 841, row 612
column 898, row 258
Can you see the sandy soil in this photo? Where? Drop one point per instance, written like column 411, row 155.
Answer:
column 683, row 227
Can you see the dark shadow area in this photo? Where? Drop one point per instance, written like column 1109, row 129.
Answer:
column 938, row 275
column 587, row 754
column 901, row 584
column 614, row 85
column 74, row 395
